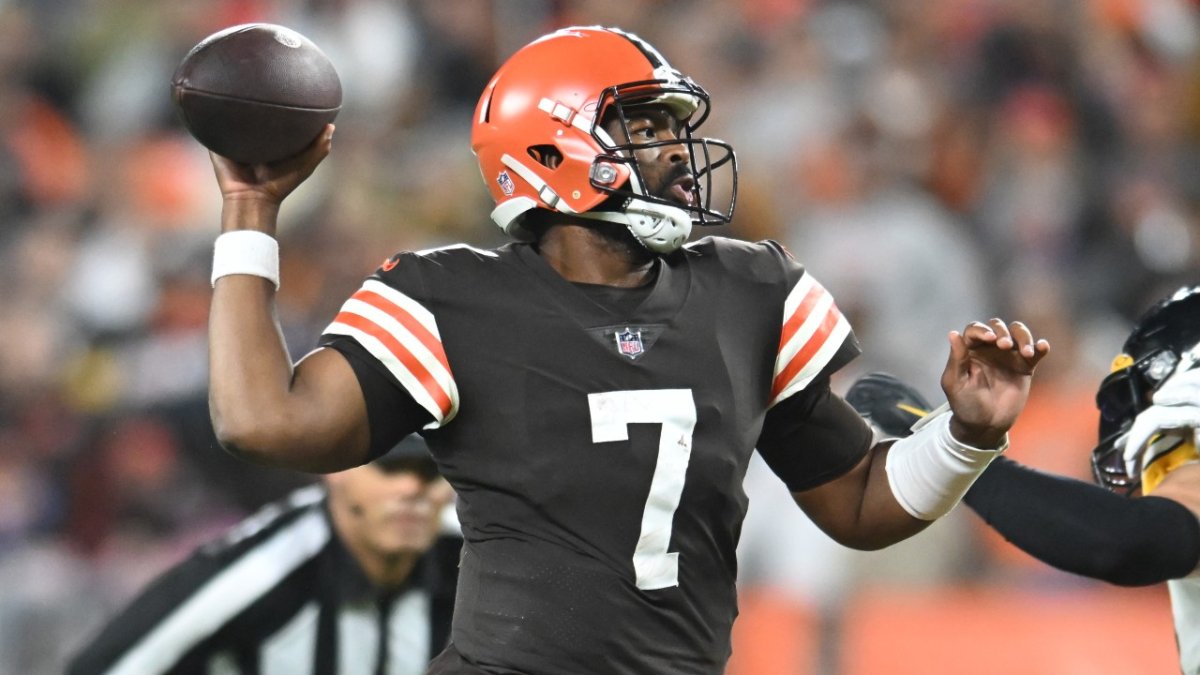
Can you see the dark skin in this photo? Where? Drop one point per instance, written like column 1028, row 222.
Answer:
column 312, row 416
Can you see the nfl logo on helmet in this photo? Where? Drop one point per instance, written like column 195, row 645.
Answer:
column 629, row 342
column 506, row 183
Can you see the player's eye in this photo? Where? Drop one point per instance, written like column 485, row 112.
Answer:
column 641, row 130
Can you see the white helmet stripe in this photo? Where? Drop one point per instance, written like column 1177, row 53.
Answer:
column 544, row 191
column 577, row 119
column 653, row 55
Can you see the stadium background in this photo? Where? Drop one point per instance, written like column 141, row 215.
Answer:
column 931, row 162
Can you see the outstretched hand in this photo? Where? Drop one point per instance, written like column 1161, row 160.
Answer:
column 270, row 183
column 987, row 379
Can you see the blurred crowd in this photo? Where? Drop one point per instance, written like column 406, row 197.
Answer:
column 931, row 162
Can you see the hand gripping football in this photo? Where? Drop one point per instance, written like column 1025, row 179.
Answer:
column 256, row 93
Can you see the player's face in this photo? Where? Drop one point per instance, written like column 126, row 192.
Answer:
column 666, row 169
column 390, row 511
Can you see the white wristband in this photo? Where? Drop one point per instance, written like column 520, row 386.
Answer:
column 246, row 252
column 930, row 471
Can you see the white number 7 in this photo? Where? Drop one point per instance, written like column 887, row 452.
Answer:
column 612, row 413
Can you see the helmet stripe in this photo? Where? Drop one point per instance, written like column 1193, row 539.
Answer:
column 652, row 55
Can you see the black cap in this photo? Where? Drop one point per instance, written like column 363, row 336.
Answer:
column 410, row 454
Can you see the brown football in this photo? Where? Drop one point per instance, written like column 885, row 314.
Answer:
column 256, row 92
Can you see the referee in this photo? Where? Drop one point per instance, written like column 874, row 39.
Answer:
column 345, row 577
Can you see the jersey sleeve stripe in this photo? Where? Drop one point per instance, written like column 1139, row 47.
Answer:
column 799, row 306
column 793, row 359
column 828, row 349
column 403, row 335
column 813, row 331
column 433, row 393
column 809, row 324
column 418, row 330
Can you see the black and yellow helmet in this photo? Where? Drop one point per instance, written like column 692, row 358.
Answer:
column 1166, row 335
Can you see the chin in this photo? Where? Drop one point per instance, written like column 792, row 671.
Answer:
column 405, row 544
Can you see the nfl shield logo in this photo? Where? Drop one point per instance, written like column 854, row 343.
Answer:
column 506, row 183
column 629, row 342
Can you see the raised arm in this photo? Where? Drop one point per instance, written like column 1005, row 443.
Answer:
column 308, row 417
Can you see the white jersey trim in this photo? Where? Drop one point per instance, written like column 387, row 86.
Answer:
column 404, row 337
column 805, row 351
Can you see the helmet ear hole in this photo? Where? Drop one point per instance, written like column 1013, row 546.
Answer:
column 546, row 155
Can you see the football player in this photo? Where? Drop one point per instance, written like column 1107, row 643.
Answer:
column 1144, row 529
column 593, row 390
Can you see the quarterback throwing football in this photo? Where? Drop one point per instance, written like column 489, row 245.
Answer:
column 594, row 390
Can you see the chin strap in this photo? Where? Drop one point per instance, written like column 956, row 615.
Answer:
column 660, row 228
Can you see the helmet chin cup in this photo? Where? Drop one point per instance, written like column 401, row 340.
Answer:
column 660, row 228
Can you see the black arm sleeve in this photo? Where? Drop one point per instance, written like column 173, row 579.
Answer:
column 391, row 411
column 813, row 437
column 1084, row 529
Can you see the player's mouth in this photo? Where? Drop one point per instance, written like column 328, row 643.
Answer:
column 683, row 190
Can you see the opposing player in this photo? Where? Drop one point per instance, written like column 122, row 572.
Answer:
column 1150, row 413
column 593, row 391
column 354, row 575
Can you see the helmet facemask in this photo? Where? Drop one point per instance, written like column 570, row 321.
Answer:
column 660, row 223
column 1121, row 396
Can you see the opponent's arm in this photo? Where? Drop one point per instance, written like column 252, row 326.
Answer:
column 1084, row 529
column 311, row 417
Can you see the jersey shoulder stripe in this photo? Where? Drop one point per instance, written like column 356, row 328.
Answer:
column 813, row 332
column 403, row 335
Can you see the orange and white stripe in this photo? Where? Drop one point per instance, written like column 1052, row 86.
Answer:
column 404, row 336
column 813, row 331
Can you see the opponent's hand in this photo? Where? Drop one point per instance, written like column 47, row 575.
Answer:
column 1176, row 409
column 888, row 404
column 270, row 183
column 987, row 379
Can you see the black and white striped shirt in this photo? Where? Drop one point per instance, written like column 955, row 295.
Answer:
column 280, row 595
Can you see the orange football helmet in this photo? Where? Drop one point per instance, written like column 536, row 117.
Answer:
column 552, row 95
